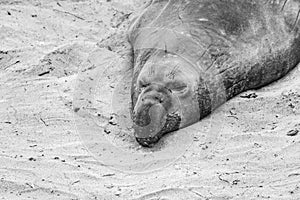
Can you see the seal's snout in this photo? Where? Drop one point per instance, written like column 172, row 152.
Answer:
column 149, row 118
column 150, row 113
column 142, row 115
column 149, row 100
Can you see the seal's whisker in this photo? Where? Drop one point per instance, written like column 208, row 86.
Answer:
column 283, row 5
column 297, row 18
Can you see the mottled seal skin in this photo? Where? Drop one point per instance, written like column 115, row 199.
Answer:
column 190, row 56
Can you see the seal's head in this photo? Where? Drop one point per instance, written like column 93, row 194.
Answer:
column 164, row 98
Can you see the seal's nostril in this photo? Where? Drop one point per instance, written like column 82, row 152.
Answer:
column 157, row 99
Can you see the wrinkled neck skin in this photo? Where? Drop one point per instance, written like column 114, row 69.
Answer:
column 164, row 97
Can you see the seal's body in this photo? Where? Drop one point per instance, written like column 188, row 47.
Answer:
column 190, row 56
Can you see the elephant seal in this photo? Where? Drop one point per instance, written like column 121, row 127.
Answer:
column 190, row 56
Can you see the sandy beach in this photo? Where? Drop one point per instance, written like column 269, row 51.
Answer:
column 66, row 131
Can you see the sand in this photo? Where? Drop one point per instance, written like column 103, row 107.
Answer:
column 65, row 126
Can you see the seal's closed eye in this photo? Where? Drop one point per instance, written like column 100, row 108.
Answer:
column 177, row 86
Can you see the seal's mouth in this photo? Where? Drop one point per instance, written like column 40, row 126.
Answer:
column 171, row 123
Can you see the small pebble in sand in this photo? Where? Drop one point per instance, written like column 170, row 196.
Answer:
column 112, row 121
column 291, row 105
column 248, row 96
column 106, row 131
column 292, row 132
column 285, row 93
column 232, row 111
column 32, row 159
column 76, row 109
